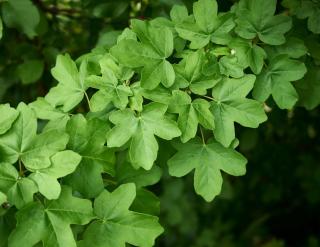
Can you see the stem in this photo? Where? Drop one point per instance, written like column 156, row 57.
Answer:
column 87, row 98
column 202, row 136
column 207, row 97
column 21, row 172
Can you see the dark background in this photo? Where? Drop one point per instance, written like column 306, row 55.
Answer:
column 275, row 204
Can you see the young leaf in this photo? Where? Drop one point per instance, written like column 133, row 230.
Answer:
column 110, row 90
column 71, row 87
column 207, row 160
column 189, row 74
column 231, row 105
column 140, row 130
column 50, row 223
column 191, row 113
column 150, row 53
column 117, row 225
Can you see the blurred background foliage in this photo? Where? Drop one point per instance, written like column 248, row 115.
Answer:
column 275, row 205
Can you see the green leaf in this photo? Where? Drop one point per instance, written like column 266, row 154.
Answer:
column 205, row 12
column 150, row 53
column 30, row 71
column 71, row 88
column 117, row 225
column 306, row 9
column 8, row 116
column 140, row 131
column 3, row 198
column 22, row 142
column 110, row 90
column 231, row 105
column 275, row 80
column 18, row 190
column 248, row 54
column 293, row 47
column 44, row 110
column 146, row 202
column 309, row 88
column 1, row 28
column 191, row 113
column 21, row 14
column 255, row 18
column 125, row 173
column 189, row 73
column 178, row 13
column 230, row 66
column 62, row 164
column 50, row 222
column 87, row 138
column 206, row 25
column 207, row 160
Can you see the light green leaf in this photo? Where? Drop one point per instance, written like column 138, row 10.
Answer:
column 178, row 13
column 18, row 190
column 50, row 223
column 230, row 66
column 207, row 160
column 248, row 54
column 8, row 116
column 231, row 105
column 277, row 76
column 63, row 163
column 21, row 141
column 87, row 138
column 44, row 110
column 71, row 87
column 191, row 113
column 140, row 130
column 156, row 45
column 117, row 225
column 189, row 74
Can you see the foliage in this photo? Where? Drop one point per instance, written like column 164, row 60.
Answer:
column 163, row 96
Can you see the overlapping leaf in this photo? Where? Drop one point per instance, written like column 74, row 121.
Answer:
column 22, row 142
column 87, row 138
column 50, row 222
column 230, row 105
column 191, row 113
column 117, row 225
column 140, row 130
column 189, row 73
column 206, row 25
column 150, row 53
column 18, row 190
column 255, row 18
